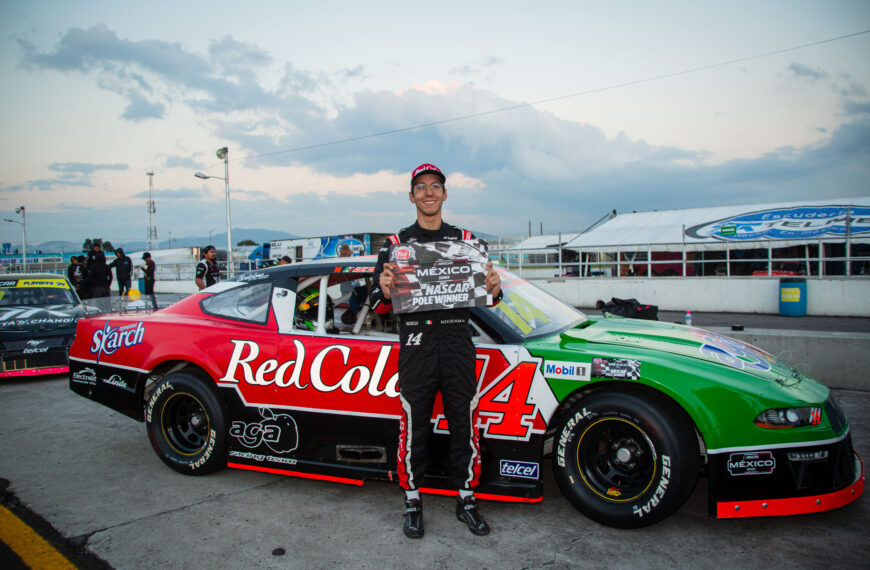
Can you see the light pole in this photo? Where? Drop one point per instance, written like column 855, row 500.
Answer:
column 23, row 222
column 224, row 154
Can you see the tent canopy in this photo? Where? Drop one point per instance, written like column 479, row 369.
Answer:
column 734, row 227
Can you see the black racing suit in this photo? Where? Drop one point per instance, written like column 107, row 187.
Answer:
column 208, row 272
column 435, row 354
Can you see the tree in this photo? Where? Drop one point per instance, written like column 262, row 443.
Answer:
column 90, row 243
column 247, row 242
column 108, row 247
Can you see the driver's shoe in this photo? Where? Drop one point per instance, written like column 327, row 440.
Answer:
column 413, row 527
column 466, row 511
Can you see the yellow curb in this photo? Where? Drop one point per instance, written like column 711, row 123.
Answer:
column 28, row 545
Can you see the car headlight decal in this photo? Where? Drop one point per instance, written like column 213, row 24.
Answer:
column 789, row 418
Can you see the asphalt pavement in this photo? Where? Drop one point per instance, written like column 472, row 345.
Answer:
column 91, row 473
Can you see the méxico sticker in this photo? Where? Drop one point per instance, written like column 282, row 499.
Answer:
column 618, row 368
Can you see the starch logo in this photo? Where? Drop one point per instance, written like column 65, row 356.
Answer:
column 109, row 339
column 566, row 370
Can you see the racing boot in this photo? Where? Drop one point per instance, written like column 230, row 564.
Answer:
column 413, row 527
column 466, row 511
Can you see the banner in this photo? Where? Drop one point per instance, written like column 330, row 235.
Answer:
column 439, row 275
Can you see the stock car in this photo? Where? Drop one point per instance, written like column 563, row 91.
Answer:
column 38, row 314
column 630, row 412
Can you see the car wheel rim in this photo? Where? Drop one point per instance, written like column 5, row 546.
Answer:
column 185, row 424
column 616, row 459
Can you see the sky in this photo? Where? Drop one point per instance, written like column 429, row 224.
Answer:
column 544, row 114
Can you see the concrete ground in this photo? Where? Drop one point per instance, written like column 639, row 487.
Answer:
column 91, row 473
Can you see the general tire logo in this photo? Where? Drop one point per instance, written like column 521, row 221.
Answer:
column 759, row 463
column 278, row 432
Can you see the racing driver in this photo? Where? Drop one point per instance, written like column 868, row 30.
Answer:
column 435, row 354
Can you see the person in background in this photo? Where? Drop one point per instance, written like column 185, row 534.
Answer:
column 356, row 294
column 71, row 269
column 81, row 276
column 100, row 280
column 149, row 269
column 285, row 260
column 96, row 249
column 123, row 271
column 207, row 271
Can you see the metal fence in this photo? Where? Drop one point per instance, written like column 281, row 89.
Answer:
column 823, row 258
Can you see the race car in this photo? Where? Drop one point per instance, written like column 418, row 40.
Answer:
column 630, row 412
column 38, row 314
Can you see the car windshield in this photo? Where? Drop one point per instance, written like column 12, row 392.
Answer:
column 531, row 312
column 36, row 292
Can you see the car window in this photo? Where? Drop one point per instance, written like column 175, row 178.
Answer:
column 244, row 303
column 37, row 292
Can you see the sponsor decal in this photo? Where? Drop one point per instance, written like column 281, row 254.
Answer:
column 118, row 382
column 85, row 376
column 734, row 353
column 109, row 339
column 757, row 463
column 252, row 277
column 567, row 370
column 55, row 283
column 9, row 283
column 403, row 253
column 260, row 458
column 617, row 368
column 805, row 222
column 355, row 379
column 354, row 269
column 522, row 469
column 278, row 432
column 659, row 492
column 614, row 492
column 34, row 348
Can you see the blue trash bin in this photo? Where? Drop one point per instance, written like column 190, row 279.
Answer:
column 141, row 285
column 792, row 297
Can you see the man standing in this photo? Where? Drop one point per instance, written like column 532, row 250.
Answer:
column 435, row 354
column 80, row 273
column 149, row 268
column 123, row 271
column 207, row 271
column 100, row 280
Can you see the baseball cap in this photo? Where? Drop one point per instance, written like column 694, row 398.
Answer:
column 427, row 168
column 146, row 255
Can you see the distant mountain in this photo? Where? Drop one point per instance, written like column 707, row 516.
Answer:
column 218, row 240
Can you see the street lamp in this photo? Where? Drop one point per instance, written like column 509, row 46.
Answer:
column 223, row 154
column 23, row 222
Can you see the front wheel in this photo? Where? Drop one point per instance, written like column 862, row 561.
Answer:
column 186, row 424
column 625, row 460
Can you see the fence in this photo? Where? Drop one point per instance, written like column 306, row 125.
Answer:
column 819, row 259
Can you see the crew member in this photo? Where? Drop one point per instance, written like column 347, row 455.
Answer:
column 207, row 271
column 149, row 269
column 435, row 354
column 123, row 270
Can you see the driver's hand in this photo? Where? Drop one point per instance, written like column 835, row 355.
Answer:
column 387, row 280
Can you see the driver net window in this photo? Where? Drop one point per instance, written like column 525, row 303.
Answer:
column 246, row 303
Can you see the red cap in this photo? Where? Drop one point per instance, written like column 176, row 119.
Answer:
column 427, row 168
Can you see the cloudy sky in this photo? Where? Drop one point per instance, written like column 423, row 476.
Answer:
column 549, row 113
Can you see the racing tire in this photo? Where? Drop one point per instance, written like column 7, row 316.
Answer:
column 625, row 460
column 187, row 424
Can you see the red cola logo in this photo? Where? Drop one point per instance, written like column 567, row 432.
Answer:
column 353, row 379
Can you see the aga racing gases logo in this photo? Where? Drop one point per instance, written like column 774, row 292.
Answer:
column 278, row 432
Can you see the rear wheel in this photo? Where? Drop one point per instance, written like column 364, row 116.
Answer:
column 625, row 460
column 186, row 424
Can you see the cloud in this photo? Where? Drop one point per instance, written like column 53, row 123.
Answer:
column 484, row 64
column 803, row 70
column 84, row 168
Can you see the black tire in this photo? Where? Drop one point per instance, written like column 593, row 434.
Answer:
column 625, row 460
column 186, row 424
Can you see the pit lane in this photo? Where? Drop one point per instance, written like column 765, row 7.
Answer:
column 91, row 473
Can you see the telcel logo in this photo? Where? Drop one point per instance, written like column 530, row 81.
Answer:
column 518, row 469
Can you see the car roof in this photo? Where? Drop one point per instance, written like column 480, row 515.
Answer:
column 357, row 265
column 8, row 276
